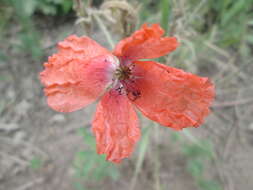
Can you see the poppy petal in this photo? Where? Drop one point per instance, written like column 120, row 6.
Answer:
column 116, row 127
column 171, row 96
column 76, row 83
column 146, row 43
column 73, row 47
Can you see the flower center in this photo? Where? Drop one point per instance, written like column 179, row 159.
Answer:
column 123, row 73
column 125, row 79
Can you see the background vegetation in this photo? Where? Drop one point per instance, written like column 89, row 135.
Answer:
column 216, row 41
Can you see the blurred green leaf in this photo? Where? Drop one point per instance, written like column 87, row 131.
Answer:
column 236, row 8
column 89, row 165
column 88, row 138
column 204, row 150
column 36, row 163
column 3, row 57
column 249, row 39
column 195, row 167
column 209, row 185
column 175, row 136
column 197, row 154
column 29, row 7
column 30, row 43
column 113, row 173
column 79, row 186
column 67, row 6
column 48, row 9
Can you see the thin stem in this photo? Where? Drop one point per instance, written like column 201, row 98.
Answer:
column 142, row 153
column 105, row 31
column 166, row 7
column 80, row 12
column 157, row 162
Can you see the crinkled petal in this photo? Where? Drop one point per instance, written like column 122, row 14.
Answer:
column 80, row 47
column 57, row 68
column 146, row 43
column 171, row 96
column 116, row 127
column 77, row 82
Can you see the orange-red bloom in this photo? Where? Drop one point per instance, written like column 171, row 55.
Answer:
column 83, row 71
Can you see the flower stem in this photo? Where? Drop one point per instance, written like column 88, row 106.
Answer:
column 79, row 8
column 142, row 152
column 104, row 29
column 166, row 7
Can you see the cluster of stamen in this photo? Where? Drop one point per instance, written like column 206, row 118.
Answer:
column 123, row 73
column 126, row 81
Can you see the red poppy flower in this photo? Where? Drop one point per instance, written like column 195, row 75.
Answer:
column 82, row 71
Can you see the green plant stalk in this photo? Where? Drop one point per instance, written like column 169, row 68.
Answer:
column 79, row 8
column 104, row 30
column 143, row 12
column 165, row 7
column 143, row 150
column 157, row 162
column 192, row 138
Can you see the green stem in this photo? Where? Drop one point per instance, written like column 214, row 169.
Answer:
column 104, row 30
column 142, row 153
column 79, row 8
column 157, row 162
column 166, row 7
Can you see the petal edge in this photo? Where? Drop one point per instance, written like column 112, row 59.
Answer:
column 146, row 43
column 116, row 127
column 179, row 99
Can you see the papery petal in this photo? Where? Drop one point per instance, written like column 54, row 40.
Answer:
column 77, row 82
column 171, row 96
column 146, row 43
column 57, row 68
column 115, row 126
column 66, row 77
column 80, row 47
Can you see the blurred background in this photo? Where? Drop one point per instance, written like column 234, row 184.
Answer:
column 44, row 150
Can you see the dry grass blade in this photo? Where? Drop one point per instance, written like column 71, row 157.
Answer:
column 142, row 153
column 125, row 15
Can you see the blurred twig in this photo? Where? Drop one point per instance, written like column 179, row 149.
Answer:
column 157, row 164
column 81, row 13
column 232, row 103
column 15, row 159
column 30, row 184
column 31, row 146
column 142, row 153
column 105, row 31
